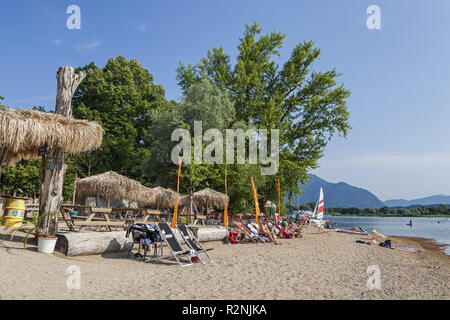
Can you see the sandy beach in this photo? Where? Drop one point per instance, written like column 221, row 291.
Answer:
column 317, row 266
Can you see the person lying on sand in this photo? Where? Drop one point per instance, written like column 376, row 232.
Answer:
column 263, row 229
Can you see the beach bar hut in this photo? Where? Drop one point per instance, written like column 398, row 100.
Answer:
column 28, row 134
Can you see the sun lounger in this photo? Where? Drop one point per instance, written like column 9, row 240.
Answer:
column 247, row 235
column 175, row 247
column 285, row 234
column 191, row 241
column 378, row 236
column 260, row 237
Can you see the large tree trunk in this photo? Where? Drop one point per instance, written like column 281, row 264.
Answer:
column 82, row 244
column 54, row 167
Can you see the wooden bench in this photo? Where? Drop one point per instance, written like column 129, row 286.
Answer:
column 201, row 219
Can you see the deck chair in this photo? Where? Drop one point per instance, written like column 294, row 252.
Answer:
column 248, row 236
column 260, row 237
column 172, row 242
column 191, row 241
column 284, row 232
column 378, row 236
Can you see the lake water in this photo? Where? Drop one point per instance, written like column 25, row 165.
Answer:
column 396, row 226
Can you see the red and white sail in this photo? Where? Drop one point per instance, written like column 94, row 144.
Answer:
column 321, row 206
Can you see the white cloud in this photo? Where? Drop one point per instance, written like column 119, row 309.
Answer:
column 81, row 48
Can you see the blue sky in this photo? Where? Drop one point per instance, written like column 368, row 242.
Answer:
column 399, row 75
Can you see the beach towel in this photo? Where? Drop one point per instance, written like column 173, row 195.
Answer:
column 351, row 232
column 407, row 249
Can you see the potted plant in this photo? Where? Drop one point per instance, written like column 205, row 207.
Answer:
column 47, row 245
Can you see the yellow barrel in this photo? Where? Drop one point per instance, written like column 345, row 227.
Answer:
column 14, row 212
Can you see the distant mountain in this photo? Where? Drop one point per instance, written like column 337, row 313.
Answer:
column 437, row 199
column 337, row 195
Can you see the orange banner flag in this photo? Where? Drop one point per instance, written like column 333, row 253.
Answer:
column 279, row 206
column 225, row 211
column 255, row 196
column 174, row 219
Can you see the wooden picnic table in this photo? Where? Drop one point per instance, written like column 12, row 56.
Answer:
column 90, row 220
column 108, row 217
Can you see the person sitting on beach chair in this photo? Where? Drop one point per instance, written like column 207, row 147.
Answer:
column 263, row 229
column 245, row 235
column 253, row 230
column 284, row 232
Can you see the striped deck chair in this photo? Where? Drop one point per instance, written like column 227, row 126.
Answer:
column 191, row 241
column 260, row 237
column 248, row 236
column 172, row 242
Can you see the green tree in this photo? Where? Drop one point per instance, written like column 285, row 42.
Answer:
column 24, row 175
column 120, row 97
column 205, row 102
column 308, row 107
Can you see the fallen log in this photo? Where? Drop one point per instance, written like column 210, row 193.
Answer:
column 90, row 243
column 80, row 244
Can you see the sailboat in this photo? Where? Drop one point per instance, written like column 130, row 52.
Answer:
column 317, row 217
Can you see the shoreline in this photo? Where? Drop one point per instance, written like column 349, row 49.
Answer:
column 386, row 216
column 429, row 245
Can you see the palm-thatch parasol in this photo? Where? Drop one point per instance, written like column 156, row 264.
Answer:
column 158, row 197
column 23, row 132
column 111, row 186
column 205, row 198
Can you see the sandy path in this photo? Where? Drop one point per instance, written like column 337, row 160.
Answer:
column 318, row 266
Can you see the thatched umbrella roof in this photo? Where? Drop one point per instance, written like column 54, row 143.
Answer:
column 22, row 132
column 158, row 197
column 206, row 197
column 111, row 186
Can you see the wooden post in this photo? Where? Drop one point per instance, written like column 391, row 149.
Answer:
column 225, row 210
column 174, row 218
column 74, row 190
column 279, row 204
column 53, row 164
column 255, row 198
column 191, row 211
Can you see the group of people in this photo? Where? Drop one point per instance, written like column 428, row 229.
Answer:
column 274, row 228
